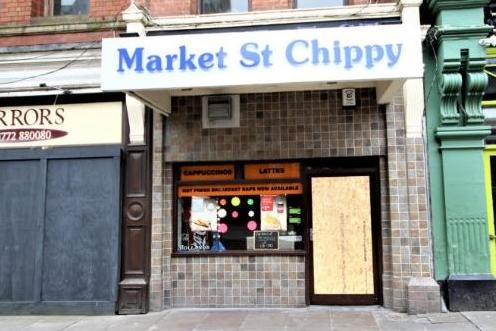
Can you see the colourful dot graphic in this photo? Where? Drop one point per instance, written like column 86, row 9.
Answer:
column 252, row 225
column 223, row 228
column 235, row 201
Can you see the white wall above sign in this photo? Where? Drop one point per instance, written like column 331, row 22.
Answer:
column 61, row 125
column 362, row 53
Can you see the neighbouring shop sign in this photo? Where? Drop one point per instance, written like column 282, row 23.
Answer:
column 262, row 57
column 272, row 171
column 61, row 125
column 241, row 189
column 207, row 172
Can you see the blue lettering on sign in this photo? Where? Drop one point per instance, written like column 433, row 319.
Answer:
column 298, row 52
column 125, row 59
column 251, row 57
column 183, row 60
column 290, row 50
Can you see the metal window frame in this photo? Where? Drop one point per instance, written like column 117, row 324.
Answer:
column 199, row 7
column 295, row 3
column 49, row 6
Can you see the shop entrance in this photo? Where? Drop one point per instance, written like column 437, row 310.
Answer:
column 490, row 173
column 344, row 238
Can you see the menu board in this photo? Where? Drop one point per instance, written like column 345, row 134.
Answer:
column 266, row 239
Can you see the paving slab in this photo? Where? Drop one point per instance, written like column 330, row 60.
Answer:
column 451, row 327
column 390, row 321
column 485, row 320
column 180, row 320
column 96, row 323
column 52, row 323
column 354, row 320
column 446, row 318
column 9, row 323
column 266, row 320
column 315, row 318
column 308, row 320
column 229, row 320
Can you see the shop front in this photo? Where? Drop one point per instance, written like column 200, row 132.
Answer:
column 281, row 209
column 285, row 171
column 60, row 169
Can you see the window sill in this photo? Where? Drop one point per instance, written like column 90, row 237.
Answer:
column 53, row 24
column 60, row 19
column 241, row 253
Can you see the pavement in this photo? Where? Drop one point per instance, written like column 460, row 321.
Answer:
column 314, row 318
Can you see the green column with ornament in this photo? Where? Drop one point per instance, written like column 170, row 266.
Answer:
column 454, row 85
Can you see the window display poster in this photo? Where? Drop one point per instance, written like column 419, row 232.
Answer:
column 273, row 213
column 203, row 214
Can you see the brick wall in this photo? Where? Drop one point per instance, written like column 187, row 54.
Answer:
column 271, row 4
column 21, row 11
column 15, row 12
column 37, row 8
column 171, row 7
column 190, row 7
column 107, row 8
column 58, row 38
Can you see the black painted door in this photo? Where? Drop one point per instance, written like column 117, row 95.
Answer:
column 60, row 222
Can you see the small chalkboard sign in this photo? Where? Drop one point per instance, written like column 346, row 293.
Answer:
column 266, row 239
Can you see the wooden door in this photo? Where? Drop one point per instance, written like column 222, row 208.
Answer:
column 343, row 255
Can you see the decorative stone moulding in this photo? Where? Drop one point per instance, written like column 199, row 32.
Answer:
column 437, row 5
column 450, row 85
column 475, row 85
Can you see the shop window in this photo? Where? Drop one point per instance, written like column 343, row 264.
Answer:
column 318, row 3
column 223, row 6
column 66, row 7
column 239, row 207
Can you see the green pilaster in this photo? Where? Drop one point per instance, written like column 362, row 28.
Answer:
column 454, row 84
column 464, row 199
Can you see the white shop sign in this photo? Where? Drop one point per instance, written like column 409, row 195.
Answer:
column 61, row 125
column 261, row 57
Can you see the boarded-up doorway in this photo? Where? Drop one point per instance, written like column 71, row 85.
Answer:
column 344, row 238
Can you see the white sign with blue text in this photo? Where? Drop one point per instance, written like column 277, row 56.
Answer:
column 261, row 57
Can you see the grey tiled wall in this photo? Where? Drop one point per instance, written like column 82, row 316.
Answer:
column 278, row 126
column 238, row 281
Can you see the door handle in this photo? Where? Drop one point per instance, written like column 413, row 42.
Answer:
column 492, row 237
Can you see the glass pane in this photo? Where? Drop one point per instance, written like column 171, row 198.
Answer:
column 318, row 3
column 70, row 7
column 228, row 222
column 223, row 6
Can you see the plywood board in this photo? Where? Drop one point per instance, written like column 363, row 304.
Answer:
column 342, row 235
